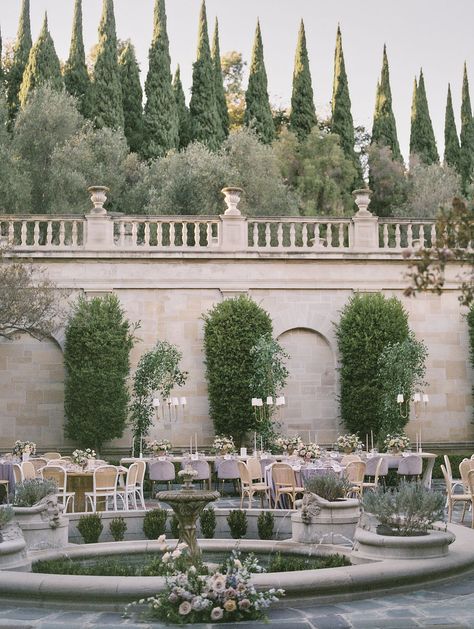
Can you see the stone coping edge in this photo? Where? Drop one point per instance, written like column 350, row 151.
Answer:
column 321, row 585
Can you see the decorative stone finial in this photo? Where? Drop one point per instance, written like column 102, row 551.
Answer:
column 362, row 200
column 232, row 198
column 98, row 198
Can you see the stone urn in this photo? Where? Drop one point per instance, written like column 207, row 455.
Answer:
column 43, row 525
column 321, row 521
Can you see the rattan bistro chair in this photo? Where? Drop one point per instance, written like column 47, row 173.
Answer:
column 38, row 463
column 49, row 456
column 376, row 467
column 452, row 498
column 139, row 483
column 249, row 488
column 355, row 473
column 59, row 476
column 284, row 482
column 104, row 486
column 28, row 470
column 127, row 493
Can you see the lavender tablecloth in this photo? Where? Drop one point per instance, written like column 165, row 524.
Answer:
column 6, row 473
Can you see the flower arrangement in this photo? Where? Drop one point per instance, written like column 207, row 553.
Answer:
column 157, row 447
column 287, row 445
column 396, row 443
column 308, row 451
column 226, row 595
column 223, row 444
column 23, row 447
column 348, row 443
column 82, row 457
column 187, row 474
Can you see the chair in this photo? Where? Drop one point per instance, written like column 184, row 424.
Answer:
column 452, row 498
column 161, row 471
column 376, row 466
column 202, row 468
column 139, row 483
column 265, row 463
column 38, row 464
column 28, row 470
column 255, row 469
column 128, row 492
column 51, row 455
column 455, row 482
column 59, row 476
column 411, row 465
column 464, row 468
column 104, row 486
column 18, row 473
column 227, row 470
column 249, row 488
column 349, row 458
column 355, row 473
column 284, row 482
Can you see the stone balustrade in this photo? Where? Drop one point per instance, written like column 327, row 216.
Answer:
column 42, row 232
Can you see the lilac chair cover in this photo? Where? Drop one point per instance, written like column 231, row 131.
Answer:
column 410, row 466
column 202, row 468
column 371, row 466
column 228, row 470
column 161, row 471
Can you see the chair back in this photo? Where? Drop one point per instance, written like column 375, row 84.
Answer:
column 56, row 462
column 244, row 473
column 17, row 473
column 470, row 482
column 228, row 469
column 265, row 463
column 105, row 478
column 376, row 466
column 56, row 474
column 447, row 465
column 255, row 468
column 131, row 479
column 51, row 455
column 28, row 470
column 355, row 471
column 38, row 464
column 411, row 465
column 447, row 481
column 161, row 471
column 464, row 469
column 283, row 475
column 349, row 458
column 141, row 472
column 202, row 468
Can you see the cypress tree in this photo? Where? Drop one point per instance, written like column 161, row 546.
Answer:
column 422, row 138
column 76, row 77
column 21, row 52
column 451, row 141
column 303, row 114
column 466, row 161
column 342, row 123
column 132, row 96
column 43, row 65
column 221, row 103
column 160, row 118
column 205, row 122
column 384, row 129
column 106, row 92
column 258, row 113
column 183, row 111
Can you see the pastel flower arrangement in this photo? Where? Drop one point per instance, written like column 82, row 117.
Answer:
column 396, row 442
column 348, row 443
column 287, row 445
column 223, row 444
column 82, row 457
column 157, row 447
column 23, row 447
column 225, row 595
column 187, row 474
column 308, row 451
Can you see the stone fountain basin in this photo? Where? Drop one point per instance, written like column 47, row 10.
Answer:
column 327, row 585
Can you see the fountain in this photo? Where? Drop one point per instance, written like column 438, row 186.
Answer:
column 188, row 503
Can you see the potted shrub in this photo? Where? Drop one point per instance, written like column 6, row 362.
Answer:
column 326, row 515
column 39, row 514
column 402, row 523
column 12, row 542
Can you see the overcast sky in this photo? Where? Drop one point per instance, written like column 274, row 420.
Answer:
column 434, row 34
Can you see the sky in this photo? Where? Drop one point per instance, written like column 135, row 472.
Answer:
column 436, row 35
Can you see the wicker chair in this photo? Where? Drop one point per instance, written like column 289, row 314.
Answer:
column 452, row 498
column 38, row 464
column 375, row 467
column 127, row 493
column 355, row 473
column 284, row 482
column 28, row 470
column 51, row 455
column 59, row 476
column 104, row 486
column 248, row 487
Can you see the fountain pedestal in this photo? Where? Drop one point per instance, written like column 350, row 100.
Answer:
column 188, row 504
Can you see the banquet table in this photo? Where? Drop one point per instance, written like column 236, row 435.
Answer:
column 429, row 457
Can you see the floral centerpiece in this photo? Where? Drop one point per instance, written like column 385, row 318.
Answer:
column 348, row 443
column 223, row 444
column 82, row 457
column 21, row 448
column 308, row 451
column 287, row 445
column 396, row 443
column 187, row 475
column 159, row 448
column 226, row 595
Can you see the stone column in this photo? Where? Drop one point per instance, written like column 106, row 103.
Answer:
column 234, row 236
column 100, row 226
column 365, row 233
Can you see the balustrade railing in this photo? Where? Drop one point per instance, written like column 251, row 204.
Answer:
column 41, row 232
column 399, row 233
column 299, row 234
column 164, row 232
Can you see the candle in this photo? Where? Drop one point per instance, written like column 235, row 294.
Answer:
column 269, row 400
column 419, row 443
column 372, row 439
column 367, row 442
column 315, row 437
column 196, row 441
column 309, row 436
column 261, row 444
column 416, row 442
column 255, row 441
column 400, row 398
column 425, row 398
column 190, row 445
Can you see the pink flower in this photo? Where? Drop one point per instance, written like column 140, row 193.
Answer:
column 244, row 604
column 173, row 597
column 185, row 608
column 217, row 613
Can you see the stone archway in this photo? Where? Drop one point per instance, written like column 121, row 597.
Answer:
column 311, row 390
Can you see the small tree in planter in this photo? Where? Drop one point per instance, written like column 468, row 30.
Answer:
column 90, row 527
column 265, row 525
column 208, row 523
column 237, row 521
column 118, row 528
column 154, row 523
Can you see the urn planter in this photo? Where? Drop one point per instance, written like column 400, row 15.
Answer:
column 42, row 525
column 321, row 521
column 370, row 546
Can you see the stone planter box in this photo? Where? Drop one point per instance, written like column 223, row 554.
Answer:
column 42, row 525
column 370, row 546
column 326, row 522
column 13, row 549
